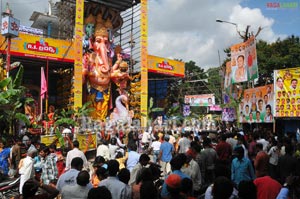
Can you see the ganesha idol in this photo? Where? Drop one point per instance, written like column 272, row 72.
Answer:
column 98, row 71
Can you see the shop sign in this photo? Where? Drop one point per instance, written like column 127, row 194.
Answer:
column 41, row 47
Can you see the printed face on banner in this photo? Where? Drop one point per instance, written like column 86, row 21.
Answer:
column 287, row 92
column 244, row 61
column 200, row 100
column 257, row 105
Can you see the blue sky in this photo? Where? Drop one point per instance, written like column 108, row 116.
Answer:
column 287, row 20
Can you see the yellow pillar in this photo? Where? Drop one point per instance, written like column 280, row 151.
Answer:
column 144, row 68
column 78, row 53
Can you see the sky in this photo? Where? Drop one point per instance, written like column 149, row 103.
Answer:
column 187, row 29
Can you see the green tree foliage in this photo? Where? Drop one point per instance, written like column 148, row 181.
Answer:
column 194, row 83
column 278, row 55
column 214, row 83
column 12, row 101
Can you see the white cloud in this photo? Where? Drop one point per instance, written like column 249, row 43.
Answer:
column 184, row 29
column 188, row 30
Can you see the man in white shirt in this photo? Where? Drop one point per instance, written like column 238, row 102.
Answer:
column 155, row 147
column 75, row 152
column 103, row 150
column 26, row 169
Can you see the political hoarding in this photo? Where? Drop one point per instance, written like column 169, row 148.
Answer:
column 287, row 92
column 257, row 105
column 244, row 61
column 200, row 100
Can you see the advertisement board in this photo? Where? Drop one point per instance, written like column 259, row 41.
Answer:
column 40, row 47
column 165, row 66
column 257, row 105
column 200, row 100
column 287, row 92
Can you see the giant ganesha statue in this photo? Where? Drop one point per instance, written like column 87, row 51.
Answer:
column 97, row 63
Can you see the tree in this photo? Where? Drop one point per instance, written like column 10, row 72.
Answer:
column 278, row 55
column 194, row 83
column 12, row 101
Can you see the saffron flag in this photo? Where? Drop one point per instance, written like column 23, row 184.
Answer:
column 43, row 84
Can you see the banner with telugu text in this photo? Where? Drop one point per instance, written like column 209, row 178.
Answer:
column 287, row 92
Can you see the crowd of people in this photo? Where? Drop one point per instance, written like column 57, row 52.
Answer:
column 159, row 164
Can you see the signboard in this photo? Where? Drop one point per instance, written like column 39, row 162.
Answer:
column 165, row 66
column 87, row 141
column 200, row 100
column 27, row 45
column 244, row 61
column 257, row 105
column 10, row 26
column 287, row 92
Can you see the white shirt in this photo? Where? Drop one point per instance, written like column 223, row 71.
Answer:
column 172, row 139
column 73, row 154
column 155, row 145
column 112, row 150
column 265, row 144
column 146, row 137
column 26, row 171
column 103, row 151
column 274, row 155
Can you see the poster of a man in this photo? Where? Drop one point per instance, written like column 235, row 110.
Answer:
column 244, row 61
column 294, row 84
column 240, row 73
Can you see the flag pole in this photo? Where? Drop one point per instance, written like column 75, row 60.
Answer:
column 41, row 96
column 47, row 71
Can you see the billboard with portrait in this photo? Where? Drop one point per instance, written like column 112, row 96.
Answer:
column 244, row 61
column 200, row 100
column 257, row 105
column 287, row 92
